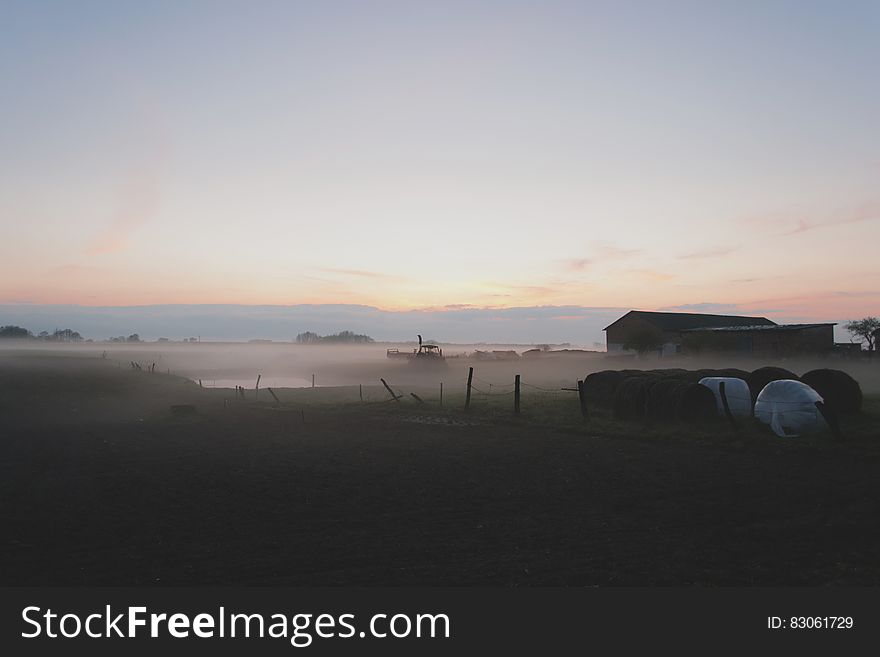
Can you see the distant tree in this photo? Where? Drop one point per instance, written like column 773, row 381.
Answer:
column 134, row 337
column 309, row 337
column 14, row 332
column 643, row 341
column 65, row 335
column 347, row 336
column 867, row 329
column 44, row 335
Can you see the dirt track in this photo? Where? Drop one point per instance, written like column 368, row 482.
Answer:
column 101, row 484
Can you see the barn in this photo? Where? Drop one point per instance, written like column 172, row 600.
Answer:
column 640, row 330
column 772, row 341
column 695, row 333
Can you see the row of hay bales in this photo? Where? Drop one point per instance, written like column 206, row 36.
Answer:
column 676, row 395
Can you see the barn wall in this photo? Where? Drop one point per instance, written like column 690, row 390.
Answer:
column 618, row 334
column 815, row 340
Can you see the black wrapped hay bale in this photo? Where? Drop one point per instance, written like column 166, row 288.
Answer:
column 764, row 375
column 630, row 398
column 659, row 393
column 840, row 391
column 670, row 373
column 600, row 387
column 692, row 402
column 679, row 400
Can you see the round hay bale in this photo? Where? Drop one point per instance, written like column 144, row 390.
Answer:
column 600, row 387
column 670, row 373
column 678, row 400
column 759, row 378
column 789, row 408
column 736, row 390
column 660, row 398
column 630, row 398
column 692, row 402
column 840, row 391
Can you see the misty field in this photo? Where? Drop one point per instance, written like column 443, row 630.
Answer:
column 114, row 475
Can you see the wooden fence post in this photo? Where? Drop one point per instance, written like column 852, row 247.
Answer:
column 582, row 397
column 313, row 380
column 516, row 395
column 441, row 393
column 467, row 399
column 390, row 391
column 361, row 391
column 257, row 387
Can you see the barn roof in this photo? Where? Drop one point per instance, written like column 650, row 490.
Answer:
column 760, row 327
column 685, row 321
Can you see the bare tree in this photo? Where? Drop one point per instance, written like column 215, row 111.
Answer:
column 866, row 329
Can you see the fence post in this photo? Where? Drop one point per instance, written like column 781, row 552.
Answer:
column 257, row 386
column 313, row 380
column 441, row 393
column 361, row 390
column 582, row 397
column 390, row 391
column 467, row 399
column 516, row 395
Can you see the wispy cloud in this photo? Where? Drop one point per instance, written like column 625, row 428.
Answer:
column 360, row 273
column 869, row 211
column 795, row 222
column 576, row 264
column 651, row 275
column 705, row 307
column 710, row 252
column 606, row 251
column 721, row 308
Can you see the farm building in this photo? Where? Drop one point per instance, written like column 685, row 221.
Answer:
column 640, row 330
column 778, row 340
column 675, row 333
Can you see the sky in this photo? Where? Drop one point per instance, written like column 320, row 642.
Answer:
column 713, row 156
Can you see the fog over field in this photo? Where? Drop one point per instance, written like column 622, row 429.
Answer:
column 290, row 365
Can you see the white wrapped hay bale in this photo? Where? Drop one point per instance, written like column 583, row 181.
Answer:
column 789, row 407
column 739, row 398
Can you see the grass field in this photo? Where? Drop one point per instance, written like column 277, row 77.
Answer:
column 102, row 484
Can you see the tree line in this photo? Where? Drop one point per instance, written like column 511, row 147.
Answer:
column 349, row 337
column 58, row 335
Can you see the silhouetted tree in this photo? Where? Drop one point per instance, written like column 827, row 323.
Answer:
column 14, row 332
column 65, row 335
column 867, row 329
column 134, row 337
column 310, row 337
